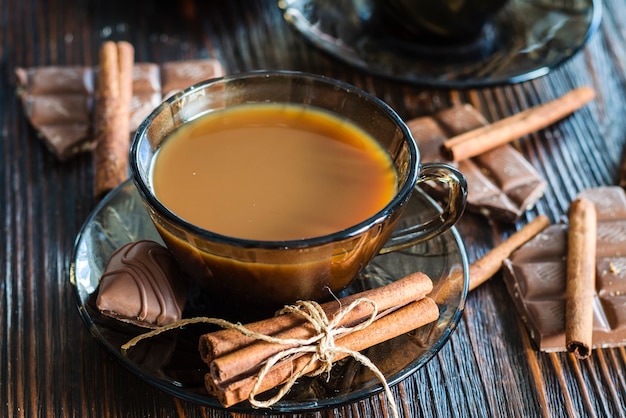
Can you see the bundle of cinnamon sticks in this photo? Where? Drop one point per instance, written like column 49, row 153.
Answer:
column 235, row 360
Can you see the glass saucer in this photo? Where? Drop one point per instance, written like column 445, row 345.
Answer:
column 525, row 40
column 171, row 361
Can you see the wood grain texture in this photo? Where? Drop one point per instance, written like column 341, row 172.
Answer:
column 51, row 366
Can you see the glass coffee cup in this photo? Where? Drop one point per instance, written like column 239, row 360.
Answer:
column 252, row 274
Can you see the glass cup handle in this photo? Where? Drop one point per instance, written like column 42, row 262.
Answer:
column 456, row 184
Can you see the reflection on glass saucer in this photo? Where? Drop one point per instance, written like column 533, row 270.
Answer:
column 171, row 362
column 525, row 40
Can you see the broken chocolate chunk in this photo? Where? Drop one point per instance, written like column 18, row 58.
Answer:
column 142, row 285
column 502, row 184
column 58, row 102
column 535, row 276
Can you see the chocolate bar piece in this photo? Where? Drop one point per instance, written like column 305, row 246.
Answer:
column 142, row 285
column 535, row 276
column 55, row 80
column 502, row 184
column 59, row 101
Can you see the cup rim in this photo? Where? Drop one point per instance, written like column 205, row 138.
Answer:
column 401, row 196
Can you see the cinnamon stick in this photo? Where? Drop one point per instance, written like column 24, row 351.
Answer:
column 480, row 140
column 581, row 270
column 113, row 115
column 403, row 320
column 224, row 342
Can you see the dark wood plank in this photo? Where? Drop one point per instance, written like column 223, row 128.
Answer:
column 51, row 366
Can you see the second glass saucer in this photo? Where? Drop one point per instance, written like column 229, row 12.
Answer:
column 525, row 40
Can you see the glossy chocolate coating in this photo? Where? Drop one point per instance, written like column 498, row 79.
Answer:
column 535, row 276
column 142, row 285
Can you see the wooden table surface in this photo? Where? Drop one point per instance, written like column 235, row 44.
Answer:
column 51, row 366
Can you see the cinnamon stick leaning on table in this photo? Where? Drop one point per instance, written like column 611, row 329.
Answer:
column 113, row 115
column 480, row 140
column 581, row 273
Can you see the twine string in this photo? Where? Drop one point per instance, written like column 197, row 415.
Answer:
column 321, row 346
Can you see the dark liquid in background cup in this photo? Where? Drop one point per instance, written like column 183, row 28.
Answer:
column 438, row 22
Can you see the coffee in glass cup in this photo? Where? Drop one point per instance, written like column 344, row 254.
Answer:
column 273, row 187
